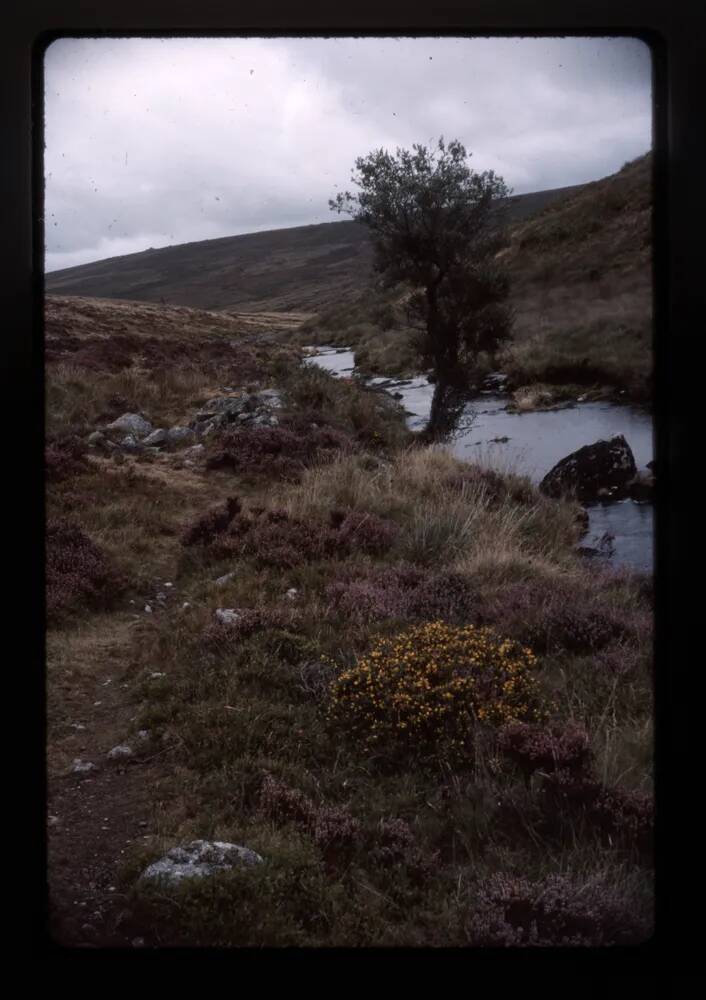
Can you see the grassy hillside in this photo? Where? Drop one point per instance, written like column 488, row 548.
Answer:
column 334, row 727
column 303, row 268
column 581, row 289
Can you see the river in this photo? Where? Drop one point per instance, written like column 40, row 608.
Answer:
column 532, row 443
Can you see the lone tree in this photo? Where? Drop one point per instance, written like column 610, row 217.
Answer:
column 435, row 226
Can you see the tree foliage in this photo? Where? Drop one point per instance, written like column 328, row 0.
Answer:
column 435, row 226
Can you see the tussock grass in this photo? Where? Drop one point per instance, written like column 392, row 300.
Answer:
column 441, row 517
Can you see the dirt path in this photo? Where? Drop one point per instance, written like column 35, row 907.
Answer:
column 96, row 816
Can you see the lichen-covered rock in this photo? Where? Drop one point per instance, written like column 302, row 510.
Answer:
column 157, row 437
column 180, row 435
column 238, row 408
column 198, row 859
column 227, row 616
column 601, row 469
column 130, row 443
column 131, row 423
column 82, row 766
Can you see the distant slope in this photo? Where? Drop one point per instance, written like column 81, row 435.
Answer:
column 303, row 268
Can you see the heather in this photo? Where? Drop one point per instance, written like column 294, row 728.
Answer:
column 78, row 572
column 383, row 669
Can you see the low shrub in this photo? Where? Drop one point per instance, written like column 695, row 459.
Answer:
column 621, row 818
column 205, row 529
column 64, row 458
column 402, row 591
column 557, row 911
column 425, row 688
column 358, row 531
column 546, row 748
column 279, row 452
column 78, row 572
column 275, row 539
column 221, row 635
column 574, row 629
column 333, row 829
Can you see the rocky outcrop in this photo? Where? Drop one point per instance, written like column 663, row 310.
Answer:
column 199, row 859
column 601, row 470
column 255, row 409
column 132, row 432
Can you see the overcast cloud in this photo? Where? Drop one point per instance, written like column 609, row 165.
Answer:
column 152, row 142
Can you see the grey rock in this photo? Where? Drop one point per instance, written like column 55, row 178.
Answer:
column 131, row 423
column 180, row 435
column 120, row 752
column 82, row 766
column 642, row 487
column 130, row 443
column 97, row 439
column 269, row 397
column 224, row 408
column 157, row 437
column 198, row 859
column 604, row 468
column 195, row 450
column 223, row 580
column 228, row 616
column 148, row 609
column 292, row 594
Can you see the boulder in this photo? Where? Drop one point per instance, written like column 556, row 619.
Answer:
column 157, row 437
column 642, row 488
column 131, row 423
column 603, row 469
column 130, row 443
column 180, row 435
column 198, row 859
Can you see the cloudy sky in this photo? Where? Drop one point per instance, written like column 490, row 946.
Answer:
column 152, row 142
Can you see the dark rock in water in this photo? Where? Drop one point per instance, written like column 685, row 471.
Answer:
column 642, row 488
column 603, row 469
column 604, row 548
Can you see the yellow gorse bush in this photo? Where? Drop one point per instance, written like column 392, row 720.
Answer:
column 428, row 685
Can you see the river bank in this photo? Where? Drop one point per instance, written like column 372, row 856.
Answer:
column 531, row 442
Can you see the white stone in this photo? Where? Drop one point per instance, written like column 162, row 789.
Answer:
column 228, row 616
column 199, row 859
column 82, row 766
column 222, row 580
column 121, row 751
